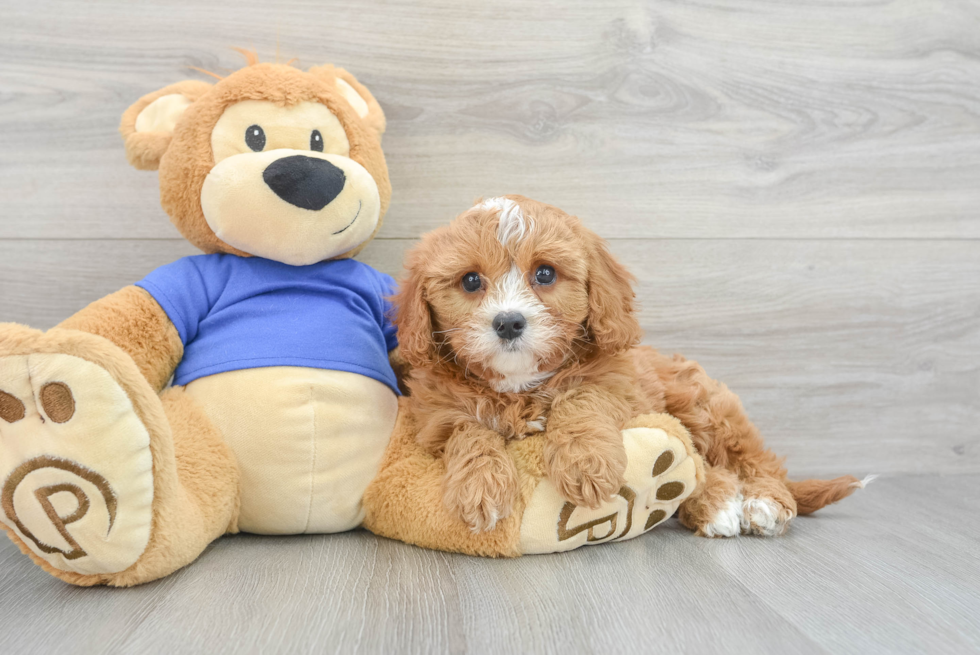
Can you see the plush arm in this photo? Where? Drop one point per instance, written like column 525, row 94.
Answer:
column 132, row 319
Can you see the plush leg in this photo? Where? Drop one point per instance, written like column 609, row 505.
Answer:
column 102, row 481
column 405, row 501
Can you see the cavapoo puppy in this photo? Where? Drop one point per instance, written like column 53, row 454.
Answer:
column 516, row 319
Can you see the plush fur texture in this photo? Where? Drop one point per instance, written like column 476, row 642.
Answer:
column 135, row 321
column 144, row 150
column 404, row 501
column 195, row 476
column 185, row 158
column 583, row 378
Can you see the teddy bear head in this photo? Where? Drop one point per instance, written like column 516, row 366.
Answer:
column 270, row 161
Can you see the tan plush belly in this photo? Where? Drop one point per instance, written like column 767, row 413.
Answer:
column 308, row 442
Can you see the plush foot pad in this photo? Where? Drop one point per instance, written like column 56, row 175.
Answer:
column 76, row 479
column 661, row 473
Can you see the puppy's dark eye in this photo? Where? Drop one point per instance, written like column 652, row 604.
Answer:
column 545, row 275
column 471, row 282
column 255, row 138
column 316, row 141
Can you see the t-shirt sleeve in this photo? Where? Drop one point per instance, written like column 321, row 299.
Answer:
column 181, row 289
column 388, row 289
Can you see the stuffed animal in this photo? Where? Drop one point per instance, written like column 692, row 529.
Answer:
column 283, row 414
column 405, row 500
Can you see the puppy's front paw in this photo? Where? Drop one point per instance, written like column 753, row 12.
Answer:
column 586, row 471
column 481, row 490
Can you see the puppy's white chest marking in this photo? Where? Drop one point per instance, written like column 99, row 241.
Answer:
column 518, row 382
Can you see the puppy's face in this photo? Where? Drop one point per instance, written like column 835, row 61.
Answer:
column 509, row 291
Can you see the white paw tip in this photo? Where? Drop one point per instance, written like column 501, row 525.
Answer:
column 727, row 521
column 761, row 515
column 861, row 484
column 491, row 524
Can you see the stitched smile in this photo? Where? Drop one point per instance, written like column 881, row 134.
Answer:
column 352, row 220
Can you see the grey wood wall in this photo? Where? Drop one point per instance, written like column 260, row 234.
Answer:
column 796, row 184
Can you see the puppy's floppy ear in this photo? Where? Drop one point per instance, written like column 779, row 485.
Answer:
column 356, row 94
column 413, row 316
column 612, row 320
column 148, row 125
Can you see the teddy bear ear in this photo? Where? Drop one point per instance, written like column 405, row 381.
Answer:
column 148, row 125
column 357, row 95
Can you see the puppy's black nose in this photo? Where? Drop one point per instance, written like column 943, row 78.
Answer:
column 509, row 325
column 307, row 182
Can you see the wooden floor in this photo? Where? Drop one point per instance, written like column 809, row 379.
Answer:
column 895, row 570
column 797, row 186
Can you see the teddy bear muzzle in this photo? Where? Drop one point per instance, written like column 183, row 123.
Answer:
column 293, row 206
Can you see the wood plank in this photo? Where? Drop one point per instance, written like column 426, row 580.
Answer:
column 48, row 280
column 649, row 119
column 896, row 559
column 795, row 185
column 852, row 357
column 893, row 569
column 632, row 598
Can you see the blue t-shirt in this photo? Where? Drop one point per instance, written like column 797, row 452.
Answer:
column 245, row 312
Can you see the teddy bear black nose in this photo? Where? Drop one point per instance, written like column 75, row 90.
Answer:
column 307, row 182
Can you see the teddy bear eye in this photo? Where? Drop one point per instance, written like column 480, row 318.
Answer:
column 255, row 138
column 471, row 282
column 316, row 141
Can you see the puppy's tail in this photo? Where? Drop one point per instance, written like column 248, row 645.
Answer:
column 811, row 495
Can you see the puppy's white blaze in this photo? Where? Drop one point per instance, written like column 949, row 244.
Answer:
column 517, row 362
column 513, row 294
column 512, row 223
